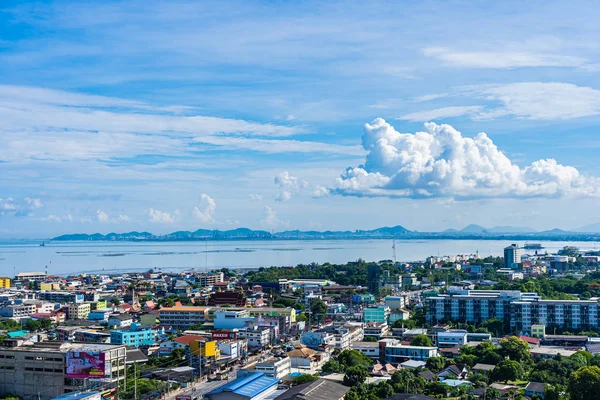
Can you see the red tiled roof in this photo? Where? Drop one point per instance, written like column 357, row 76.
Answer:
column 187, row 339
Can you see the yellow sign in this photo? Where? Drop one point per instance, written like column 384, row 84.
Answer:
column 205, row 349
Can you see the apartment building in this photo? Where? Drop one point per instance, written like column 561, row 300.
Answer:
column 519, row 311
column 376, row 314
column 18, row 311
column 257, row 338
column 473, row 306
column 135, row 336
column 182, row 317
column 78, row 311
column 62, row 297
column 572, row 314
column 208, row 280
column 40, row 371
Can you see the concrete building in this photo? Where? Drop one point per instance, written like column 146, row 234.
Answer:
column 31, row 276
column 257, row 337
column 135, row 336
column 512, row 256
column 19, row 311
column 62, row 297
column 451, row 339
column 397, row 353
column 395, row 302
column 38, row 371
column 120, row 320
column 78, row 311
column 208, row 280
column 519, row 311
column 379, row 314
column 100, row 315
column 474, row 306
column 376, row 329
column 182, row 317
column 232, row 319
column 571, row 314
column 4, row 283
column 276, row 367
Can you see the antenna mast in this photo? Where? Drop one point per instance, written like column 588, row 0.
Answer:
column 394, row 248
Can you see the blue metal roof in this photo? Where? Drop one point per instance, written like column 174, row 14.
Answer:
column 76, row 396
column 249, row 386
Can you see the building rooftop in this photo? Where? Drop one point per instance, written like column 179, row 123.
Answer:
column 249, row 386
column 320, row 389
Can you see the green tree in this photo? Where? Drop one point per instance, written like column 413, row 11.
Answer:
column 115, row 301
column 332, row 366
column 515, row 349
column 436, row 364
column 554, row 392
column 507, row 370
column 584, row 384
column 355, row 375
column 384, row 390
column 305, row 378
column 493, row 394
column 421, row 340
column 318, row 308
column 353, row 358
column 494, row 326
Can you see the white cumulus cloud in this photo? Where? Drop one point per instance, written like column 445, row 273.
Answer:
column 162, row 217
column 288, row 186
column 320, row 191
column 52, row 218
column 8, row 204
column 123, row 218
column 33, row 204
column 101, row 216
column 270, row 219
column 206, row 211
column 440, row 162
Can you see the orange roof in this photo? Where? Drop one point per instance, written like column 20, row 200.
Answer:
column 187, row 339
column 178, row 304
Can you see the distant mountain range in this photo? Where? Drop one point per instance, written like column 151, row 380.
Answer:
column 587, row 233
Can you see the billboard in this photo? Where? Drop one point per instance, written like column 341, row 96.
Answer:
column 205, row 349
column 224, row 335
column 86, row 364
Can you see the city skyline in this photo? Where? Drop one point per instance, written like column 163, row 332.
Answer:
column 153, row 116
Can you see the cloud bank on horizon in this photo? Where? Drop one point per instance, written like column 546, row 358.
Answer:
column 441, row 162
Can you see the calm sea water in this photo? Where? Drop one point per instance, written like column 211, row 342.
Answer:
column 76, row 257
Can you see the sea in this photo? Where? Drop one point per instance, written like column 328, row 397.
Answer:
column 64, row 257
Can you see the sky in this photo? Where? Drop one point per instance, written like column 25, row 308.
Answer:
column 163, row 116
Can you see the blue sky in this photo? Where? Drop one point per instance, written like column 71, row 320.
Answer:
column 160, row 116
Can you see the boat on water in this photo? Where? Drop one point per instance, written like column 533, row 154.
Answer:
column 42, row 244
column 533, row 246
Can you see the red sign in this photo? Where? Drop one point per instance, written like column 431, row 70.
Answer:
column 183, row 397
column 224, row 335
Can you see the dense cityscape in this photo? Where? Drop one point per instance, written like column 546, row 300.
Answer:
column 525, row 325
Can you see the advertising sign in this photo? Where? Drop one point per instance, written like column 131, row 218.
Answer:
column 224, row 335
column 82, row 364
